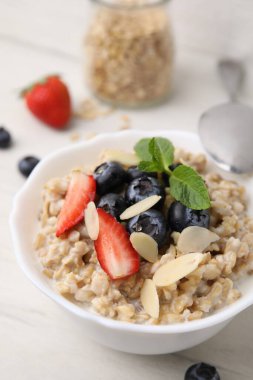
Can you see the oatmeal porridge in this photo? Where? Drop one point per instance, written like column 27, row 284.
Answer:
column 149, row 237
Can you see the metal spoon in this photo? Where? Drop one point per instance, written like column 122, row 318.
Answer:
column 226, row 130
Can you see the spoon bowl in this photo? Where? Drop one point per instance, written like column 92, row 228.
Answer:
column 226, row 130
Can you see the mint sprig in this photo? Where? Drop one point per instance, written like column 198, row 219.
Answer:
column 149, row 166
column 162, row 150
column 186, row 185
column 156, row 154
column 142, row 149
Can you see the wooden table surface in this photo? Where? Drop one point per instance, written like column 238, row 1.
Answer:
column 37, row 339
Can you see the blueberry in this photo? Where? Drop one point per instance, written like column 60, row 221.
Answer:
column 180, row 217
column 112, row 203
column 202, row 371
column 27, row 164
column 152, row 223
column 5, row 138
column 109, row 176
column 174, row 166
column 133, row 172
column 165, row 178
column 143, row 187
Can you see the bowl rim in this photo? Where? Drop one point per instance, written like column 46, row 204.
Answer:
column 221, row 316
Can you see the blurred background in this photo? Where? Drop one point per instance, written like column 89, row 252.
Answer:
column 215, row 27
column 47, row 37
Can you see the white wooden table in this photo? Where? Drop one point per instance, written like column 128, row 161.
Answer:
column 37, row 340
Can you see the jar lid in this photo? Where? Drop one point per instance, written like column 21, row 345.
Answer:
column 130, row 4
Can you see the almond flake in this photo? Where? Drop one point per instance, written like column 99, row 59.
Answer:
column 91, row 220
column 177, row 269
column 124, row 158
column 149, row 299
column 139, row 207
column 195, row 239
column 145, row 245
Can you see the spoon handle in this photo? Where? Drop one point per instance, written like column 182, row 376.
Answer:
column 231, row 74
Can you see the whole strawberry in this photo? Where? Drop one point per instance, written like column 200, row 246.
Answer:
column 49, row 100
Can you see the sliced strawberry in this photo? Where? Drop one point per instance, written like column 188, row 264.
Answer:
column 115, row 252
column 81, row 191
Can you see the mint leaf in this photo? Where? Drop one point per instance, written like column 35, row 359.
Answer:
column 187, row 186
column 142, row 149
column 149, row 166
column 162, row 152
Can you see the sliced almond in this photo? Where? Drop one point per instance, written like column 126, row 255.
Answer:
column 91, row 220
column 177, row 269
column 124, row 158
column 145, row 245
column 139, row 207
column 195, row 239
column 150, row 299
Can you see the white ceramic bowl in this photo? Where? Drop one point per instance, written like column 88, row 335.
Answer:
column 122, row 336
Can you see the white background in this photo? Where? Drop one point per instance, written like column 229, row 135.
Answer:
column 37, row 340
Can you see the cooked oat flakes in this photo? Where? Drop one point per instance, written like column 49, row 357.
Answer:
column 71, row 262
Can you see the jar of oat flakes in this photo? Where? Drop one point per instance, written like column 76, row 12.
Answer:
column 129, row 52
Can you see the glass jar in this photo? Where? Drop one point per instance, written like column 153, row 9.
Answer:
column 129, row 52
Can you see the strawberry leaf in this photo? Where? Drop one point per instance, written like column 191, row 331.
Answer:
column 31, row 86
